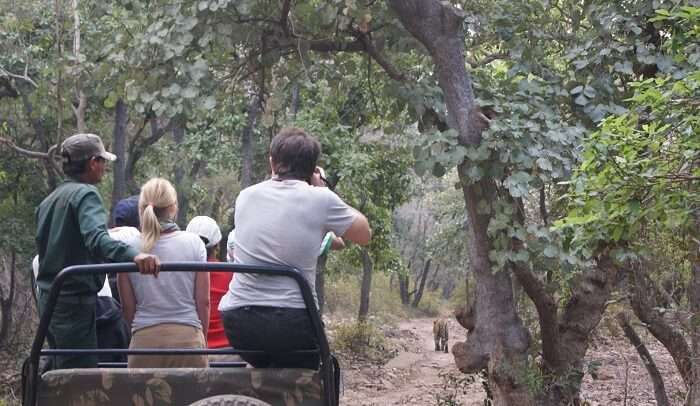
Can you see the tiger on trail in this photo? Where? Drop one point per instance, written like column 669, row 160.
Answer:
column 440, row 334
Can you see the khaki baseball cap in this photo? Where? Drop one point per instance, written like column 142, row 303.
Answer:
column 81, row 147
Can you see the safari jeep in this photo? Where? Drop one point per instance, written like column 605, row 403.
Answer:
column 222, row 383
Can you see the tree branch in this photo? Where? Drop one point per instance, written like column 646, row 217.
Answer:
column 25, row 152
column 286, row 6
column 644, row 305
column 487, row 59
column 582, row 313
column 25, row 77
column 623, row 319
column 380, row 59
column 537, row 292
column 136, row 149
column 332, row 45
column 547, row 312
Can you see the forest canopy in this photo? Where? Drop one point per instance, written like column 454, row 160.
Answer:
column 540, row 157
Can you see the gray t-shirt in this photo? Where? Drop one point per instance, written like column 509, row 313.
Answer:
column 281, row 223
column 169, row 298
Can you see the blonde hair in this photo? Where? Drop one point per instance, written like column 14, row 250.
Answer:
column 156, row 195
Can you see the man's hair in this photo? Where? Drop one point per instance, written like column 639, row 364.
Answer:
column 73, row 168
column 294, row 154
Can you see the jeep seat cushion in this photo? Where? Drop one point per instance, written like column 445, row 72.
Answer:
column 177, row 386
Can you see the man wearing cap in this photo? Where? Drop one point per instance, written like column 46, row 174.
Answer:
column 72, row 230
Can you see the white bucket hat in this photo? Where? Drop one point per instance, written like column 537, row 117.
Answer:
column 205, row 227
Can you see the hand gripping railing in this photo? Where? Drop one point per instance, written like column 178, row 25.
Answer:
column 31, row 368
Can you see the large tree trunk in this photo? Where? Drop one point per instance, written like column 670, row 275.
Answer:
column 119, row 140
column 419, row 291
column 498, row 342
column 366, row 287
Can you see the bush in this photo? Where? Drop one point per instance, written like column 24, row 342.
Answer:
column 453, row 386
column 361, row 339
column 431, row 304
column 343, row 297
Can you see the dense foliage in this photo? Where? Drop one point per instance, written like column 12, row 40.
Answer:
column 586, row 162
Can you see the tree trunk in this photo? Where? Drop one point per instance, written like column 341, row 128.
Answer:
column 645, row 306
column 6, row 302
column 498, row 342
column 424, row 275
column 119, row 140
column 41, row 132
column 403, row 289
column 183, row 184
column 296, row 100
column 247, row 145
column 434, row 284
column 366, row 285
column 694, row 301
column 139, row 146
column 623, row 319
column 321, row 282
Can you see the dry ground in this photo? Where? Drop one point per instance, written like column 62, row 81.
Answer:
column 417, row 375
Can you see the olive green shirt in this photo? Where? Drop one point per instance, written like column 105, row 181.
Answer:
column 72, row 230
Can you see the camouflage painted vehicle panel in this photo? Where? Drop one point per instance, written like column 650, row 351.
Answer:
column 177, row 386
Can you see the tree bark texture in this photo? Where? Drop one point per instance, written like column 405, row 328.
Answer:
column 403, row 289
column 41, row 131
column 7, row 298
column 694, row 301
column 434, row 283
column 366, row 287
column 183, row 184
column 138, row 147
column 119, row 141
column 498, row 342
column 623, row 319
column 247, row 145
column 423, row 277
column 645, row 306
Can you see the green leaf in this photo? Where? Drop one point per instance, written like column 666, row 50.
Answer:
column 544, row 163
column 578, row 89
column 581, row 100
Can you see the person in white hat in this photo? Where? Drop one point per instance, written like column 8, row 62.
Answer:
column 207, row 229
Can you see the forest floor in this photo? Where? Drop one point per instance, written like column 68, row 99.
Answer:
column 418, row 375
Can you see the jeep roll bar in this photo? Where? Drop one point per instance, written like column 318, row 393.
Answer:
column 30, row 373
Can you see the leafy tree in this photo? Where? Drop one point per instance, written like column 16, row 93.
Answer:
column 638, row 183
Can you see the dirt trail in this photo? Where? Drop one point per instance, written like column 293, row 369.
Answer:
column 417, row 374
column 412, row 377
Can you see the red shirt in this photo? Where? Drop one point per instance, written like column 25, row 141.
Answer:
column 218, row 286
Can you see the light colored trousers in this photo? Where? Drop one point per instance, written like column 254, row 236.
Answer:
column 168, row 335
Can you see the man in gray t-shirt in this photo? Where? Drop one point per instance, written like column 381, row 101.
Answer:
column 282, row 221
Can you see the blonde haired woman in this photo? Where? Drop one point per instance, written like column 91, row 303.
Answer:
column 172, row 310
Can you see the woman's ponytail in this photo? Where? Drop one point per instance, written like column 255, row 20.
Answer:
column 157, row 194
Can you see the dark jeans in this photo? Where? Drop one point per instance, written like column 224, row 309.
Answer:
column 72, row 326
column 274, row 330
column 112, row 330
